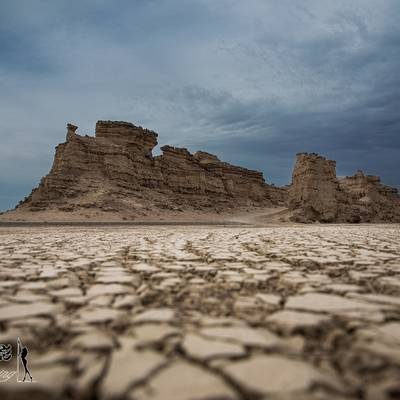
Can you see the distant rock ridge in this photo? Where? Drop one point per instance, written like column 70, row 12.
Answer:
column 316, row 194
column 116, row 171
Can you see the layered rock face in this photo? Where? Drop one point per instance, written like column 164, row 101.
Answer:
column 314, row 190
column 316, row 194
column 115, row 171
column 368, row 200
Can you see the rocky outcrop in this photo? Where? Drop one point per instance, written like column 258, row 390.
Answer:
column 368, row 200
column 116, row 171
column 314, row 191
column 316, row 194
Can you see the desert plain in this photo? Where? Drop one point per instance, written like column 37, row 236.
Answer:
column 199, row 200
column 203, row 312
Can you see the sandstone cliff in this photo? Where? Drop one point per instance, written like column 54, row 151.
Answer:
column 316, row 194
column 114, row 175
column 115, row 171
column 314, row 191
column 368, row 200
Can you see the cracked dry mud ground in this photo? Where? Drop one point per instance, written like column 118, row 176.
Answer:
column 310, row 312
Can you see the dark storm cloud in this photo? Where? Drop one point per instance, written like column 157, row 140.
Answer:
column 254, row 82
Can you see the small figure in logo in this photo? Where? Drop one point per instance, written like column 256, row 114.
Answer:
column 22, row 353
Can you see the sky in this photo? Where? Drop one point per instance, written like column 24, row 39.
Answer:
column 253, row 81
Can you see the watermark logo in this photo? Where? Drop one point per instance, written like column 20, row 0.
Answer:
column 5, row 352
column 6, row 375
column 22, row 372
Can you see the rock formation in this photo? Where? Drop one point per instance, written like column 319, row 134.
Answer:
column 115, row 171
column 314, row 191
column 368, row 200
column 316, row 194
column 115, row 174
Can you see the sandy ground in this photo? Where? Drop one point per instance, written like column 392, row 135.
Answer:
column 256, row 216
column 280, row 312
